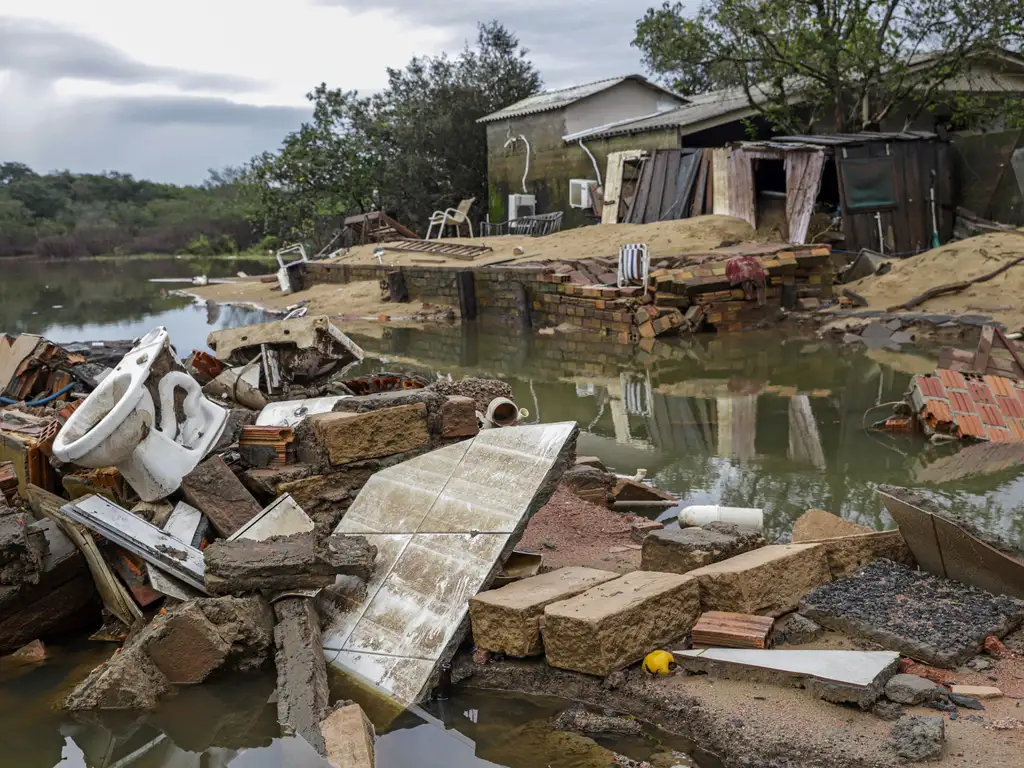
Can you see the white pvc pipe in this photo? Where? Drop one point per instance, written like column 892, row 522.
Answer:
column 699, row 515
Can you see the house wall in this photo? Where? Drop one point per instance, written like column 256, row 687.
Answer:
column 552, row 163
column 629, row 99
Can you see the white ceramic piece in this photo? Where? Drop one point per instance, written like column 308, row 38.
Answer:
column 291, row 413
column 116, row 425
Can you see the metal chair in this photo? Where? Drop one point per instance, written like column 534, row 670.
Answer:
column 634, row 266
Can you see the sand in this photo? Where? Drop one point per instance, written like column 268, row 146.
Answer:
column 665, row 238
column 999, row 298
column 361, row 299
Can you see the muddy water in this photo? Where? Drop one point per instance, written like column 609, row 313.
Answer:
column 764, row 420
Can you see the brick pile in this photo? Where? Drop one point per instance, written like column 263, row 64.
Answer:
column 970, row 406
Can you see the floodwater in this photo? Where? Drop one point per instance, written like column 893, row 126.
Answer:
column 763, row 420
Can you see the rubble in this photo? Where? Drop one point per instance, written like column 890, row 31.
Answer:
column 617, row 623
column 769, row 581
column 507, row 620
column 581, row 720
column 918, row 738
column 458, row 417
column 214, row 490
column 716, row 629
column 794, row 629
column 682, row 550
column 348, row 737
column 303, row 698
column 910, row 689
column 349, row 437
column 186, row 647
column 938, row 621
column 296, row 561
column 32, row 653
column 593, row 485
column 128, row 681
column 481, row 391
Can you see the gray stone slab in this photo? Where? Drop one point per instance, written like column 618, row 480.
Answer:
column 876, row 331
column 443, row 524
column 934, row 620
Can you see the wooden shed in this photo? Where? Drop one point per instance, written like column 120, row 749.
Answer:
column 890, row 192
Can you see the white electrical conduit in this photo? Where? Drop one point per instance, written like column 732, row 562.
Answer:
column 511, row 142
column 592, row 160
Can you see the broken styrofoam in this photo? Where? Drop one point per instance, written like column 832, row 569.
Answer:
column 118, row 423
column 443, row 524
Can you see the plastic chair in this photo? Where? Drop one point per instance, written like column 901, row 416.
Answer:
column 634, row 266
column 452, row 217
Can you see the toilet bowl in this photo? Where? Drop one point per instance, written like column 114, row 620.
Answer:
column 116, row 425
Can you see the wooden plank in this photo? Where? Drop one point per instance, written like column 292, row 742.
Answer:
column 635, row 214
column 984, row 352
column 720, row 181
column 613, row 183
column 732, row 630
column 658, row 181
column 115, row 597
column 697, row 208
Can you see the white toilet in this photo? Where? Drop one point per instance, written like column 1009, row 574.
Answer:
column 115, row 426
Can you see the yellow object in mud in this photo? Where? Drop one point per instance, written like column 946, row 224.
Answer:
column 659, row 663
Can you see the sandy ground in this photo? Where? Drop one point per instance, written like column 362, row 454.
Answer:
column 665, row 238
column 1000, row 298
column 351, row 299
column 570, row 531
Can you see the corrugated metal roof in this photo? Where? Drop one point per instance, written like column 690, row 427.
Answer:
column 715, row 107
column 557, row 99
column 842, row 139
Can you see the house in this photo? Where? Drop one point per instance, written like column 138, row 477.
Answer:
column 525, row 145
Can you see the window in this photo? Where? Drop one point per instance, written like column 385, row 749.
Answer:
column 869, row 183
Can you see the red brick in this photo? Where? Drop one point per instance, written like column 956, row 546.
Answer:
column 1003, row 387
column 991, row 416
column 980, row 393
column 952, row 379
column 938, row 410
column 969, row 425
column 930, row 386
column 961, row 402
column 1011, row 407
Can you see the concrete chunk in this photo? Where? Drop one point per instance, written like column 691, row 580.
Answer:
column 349, row 437
column 769, row 581
column 458, row 417
column 617, row 623
column 977, row 691
column 284, row 563
column 848, row 554
column 507, row 620
column 185, row 646
column 128, row 680
column 348, row 737
column 213, row 489
column 675, row 550
column 303, row 697
column 919, row 738
column 816, row 524
column 910, row 689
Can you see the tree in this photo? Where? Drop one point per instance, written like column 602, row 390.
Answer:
column 845, row 65
column 411, row 149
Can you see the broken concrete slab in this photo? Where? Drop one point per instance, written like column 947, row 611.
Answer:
column 590, row 484
column 31, row 653
column 630, row 490
column 444, row 523
column 917, row 738
column 848, row 554
column 314, row 332
column 303, row 698
column 768, row 581
column 976, row 691
column 298, row 561
column 458, row 417
column 507, row 620
column 951, row 548
column 349, row 437
column 129, row 680
column 937, row 621
column 681, row 550
column 184, row 645
column 817, row 524
column 794, row 629
column 639, row 529
column 910, row 689
column 617, row 623
column 856, row 677
column 282, row 517
column 215, row 491
column 348, row 737
column 247, row 625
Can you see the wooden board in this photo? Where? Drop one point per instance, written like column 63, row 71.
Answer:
column 613, row 183
column 720, row 182
column 732, row 630
column 453, row 250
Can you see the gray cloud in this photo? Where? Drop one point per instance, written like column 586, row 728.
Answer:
column 164, row 139
column 571, row 42
column 48, row 52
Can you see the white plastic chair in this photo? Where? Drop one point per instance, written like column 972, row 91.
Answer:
column 454, row 217
column 634, row 266
column 282, row 273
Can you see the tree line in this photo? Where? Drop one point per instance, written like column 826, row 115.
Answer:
column 415, row 146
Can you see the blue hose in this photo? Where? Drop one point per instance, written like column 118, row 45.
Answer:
column 42, row 400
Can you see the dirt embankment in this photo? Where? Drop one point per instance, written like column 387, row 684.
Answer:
column 999, row 298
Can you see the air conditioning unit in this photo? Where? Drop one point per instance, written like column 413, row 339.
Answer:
column 521, row 205
column 579, row 193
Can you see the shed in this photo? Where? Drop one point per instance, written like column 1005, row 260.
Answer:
column 891, row 192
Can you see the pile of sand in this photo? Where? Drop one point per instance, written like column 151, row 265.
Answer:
column 665, row 238
column 1002, row 298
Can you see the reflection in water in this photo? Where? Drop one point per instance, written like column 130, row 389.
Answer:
column 86, row 300
column 746, row 420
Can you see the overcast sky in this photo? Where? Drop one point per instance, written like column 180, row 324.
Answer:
column 165, row 90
